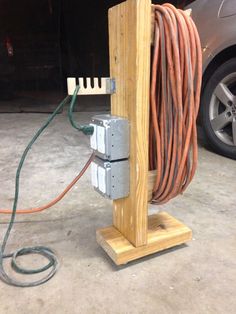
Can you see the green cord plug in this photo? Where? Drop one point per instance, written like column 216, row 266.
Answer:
column 86, row 129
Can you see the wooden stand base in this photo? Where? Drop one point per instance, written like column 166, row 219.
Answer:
column 134, row 234
column 164, row 232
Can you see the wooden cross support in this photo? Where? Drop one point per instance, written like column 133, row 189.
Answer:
column 134, row 234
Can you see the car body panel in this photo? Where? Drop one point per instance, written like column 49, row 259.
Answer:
column 216, row 27
column 228, row 8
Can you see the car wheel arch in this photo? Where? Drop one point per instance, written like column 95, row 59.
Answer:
column 223, row 56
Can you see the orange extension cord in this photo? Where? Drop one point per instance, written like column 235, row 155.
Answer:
column 175, row 96
column 55, row 200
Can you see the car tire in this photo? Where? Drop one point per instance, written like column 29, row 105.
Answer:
column 217, row 103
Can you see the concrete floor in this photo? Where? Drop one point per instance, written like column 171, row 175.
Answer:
column 197, row 278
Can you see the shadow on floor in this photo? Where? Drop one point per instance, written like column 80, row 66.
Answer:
column 47, row 101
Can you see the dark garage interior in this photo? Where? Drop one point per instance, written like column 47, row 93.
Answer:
column 43, row 42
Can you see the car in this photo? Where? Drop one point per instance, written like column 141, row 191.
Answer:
column 216, row 23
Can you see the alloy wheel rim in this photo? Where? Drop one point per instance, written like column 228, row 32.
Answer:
column 222, row 110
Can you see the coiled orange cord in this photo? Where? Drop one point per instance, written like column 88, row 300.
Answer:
column 55, row 200
column 175, row 96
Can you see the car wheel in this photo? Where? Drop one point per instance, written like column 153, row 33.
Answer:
column 218, row 109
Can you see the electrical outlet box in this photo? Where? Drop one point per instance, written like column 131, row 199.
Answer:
column 110, row 140
column 111, row 179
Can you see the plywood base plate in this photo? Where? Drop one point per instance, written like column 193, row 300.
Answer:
column 164, row 232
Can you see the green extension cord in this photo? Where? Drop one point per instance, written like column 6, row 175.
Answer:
column 41, row 250
column 86, row 129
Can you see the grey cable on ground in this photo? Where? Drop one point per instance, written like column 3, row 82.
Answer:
column 41, row 250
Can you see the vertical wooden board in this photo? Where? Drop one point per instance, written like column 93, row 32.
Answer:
column 130, row 37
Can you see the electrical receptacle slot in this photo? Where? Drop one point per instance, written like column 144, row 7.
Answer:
column 110, row 143
column 111, row 179
column 110, row 139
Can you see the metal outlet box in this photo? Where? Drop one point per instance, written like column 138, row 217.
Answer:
column 110, row 140
column 111, row 179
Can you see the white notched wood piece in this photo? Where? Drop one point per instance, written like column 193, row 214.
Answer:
column 105, row 86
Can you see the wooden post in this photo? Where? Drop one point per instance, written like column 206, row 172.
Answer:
column 130, row 37
column 133, row 235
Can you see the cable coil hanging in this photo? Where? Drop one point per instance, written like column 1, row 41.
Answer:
column 175, row 97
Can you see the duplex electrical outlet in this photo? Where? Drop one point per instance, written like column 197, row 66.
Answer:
column 111, row 179
column 110, row 140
